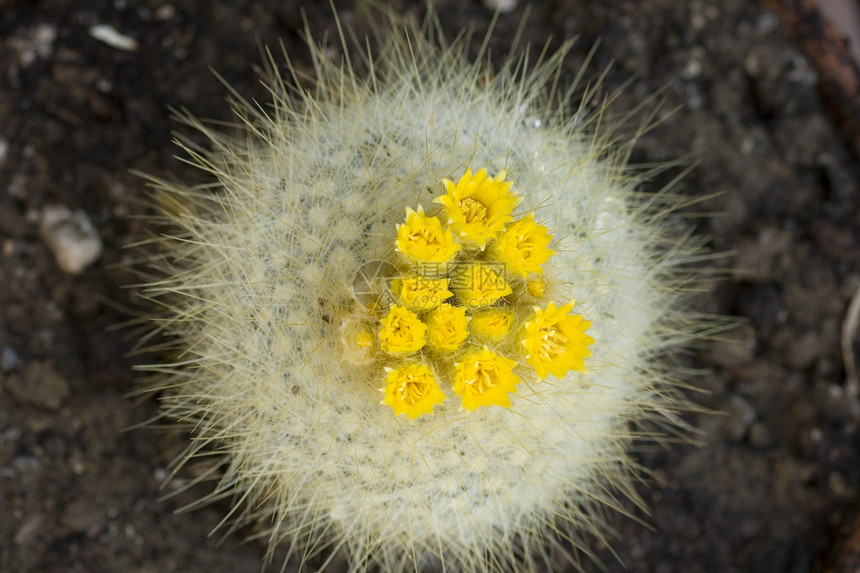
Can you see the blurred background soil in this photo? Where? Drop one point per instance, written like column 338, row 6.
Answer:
column 774, row 485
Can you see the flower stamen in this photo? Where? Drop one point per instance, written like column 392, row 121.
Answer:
column 493, row 323
column 474, row 212
column 556, row 341
column 478, row 206
column 524, row 246
column 485, row 379
column 363, row 339
column 402, row 332
column 411, row 390
column 421, row 239
column 447, row 327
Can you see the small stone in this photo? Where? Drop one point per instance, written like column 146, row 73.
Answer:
column 760, row 436
column 840, row 486
column 29, row 529
column 757, row 259
column 34, row 43
column 113, row 38
column 735, row 347
column 72, row 238
column 503, row 6
column 82, row 514
column 692, row 69
column 741, row 415
column 165, row 12
column 38, row 385
column 9, row 359
column 802, row 352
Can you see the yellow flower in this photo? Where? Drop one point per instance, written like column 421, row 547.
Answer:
column 479, row 285
column 363, row 339
column 423, row 240
column 484, row 379
column 447, row 327
column 556, row 341
column 420, row 293
column 402, row 332
column 523, row 246
column 478, row 207
column 411, row 390
column 492, row 323
column 536, row 287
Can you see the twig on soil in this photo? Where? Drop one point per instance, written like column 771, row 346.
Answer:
column 839, row 76
column 849, row 330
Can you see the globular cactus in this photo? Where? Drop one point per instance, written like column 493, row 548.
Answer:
column 371, row 318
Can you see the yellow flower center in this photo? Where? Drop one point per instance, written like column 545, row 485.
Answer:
column 402, row 332
column 422, row 239
column 473, row 211
column 411, row 390
column 478, row 206
column 523, row 247
column 447, row 327
column 485, row 378
column 491, row 323
column 363, row 338
column 553, row 343
column 479, row 286
column 556, row 341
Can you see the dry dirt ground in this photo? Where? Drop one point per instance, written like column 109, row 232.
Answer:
column 774, row 485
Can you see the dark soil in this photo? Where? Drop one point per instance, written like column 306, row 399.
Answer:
column 774, row 487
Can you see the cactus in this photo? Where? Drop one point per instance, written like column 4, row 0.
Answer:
column 370, row 320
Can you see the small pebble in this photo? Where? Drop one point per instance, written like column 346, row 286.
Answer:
column 34, row 43
column 741, row 415
column 9, row 359
column 38, row 385
column 82, row 514
column 165, row 12
column 72, row 238
column 757, row 259
column 110, row 36
column 29, row 529
column 759, row 436
column 802, row 352
column 735, row 348
column 503, row 6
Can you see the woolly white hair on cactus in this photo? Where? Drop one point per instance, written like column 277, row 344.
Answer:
column 371, row 311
